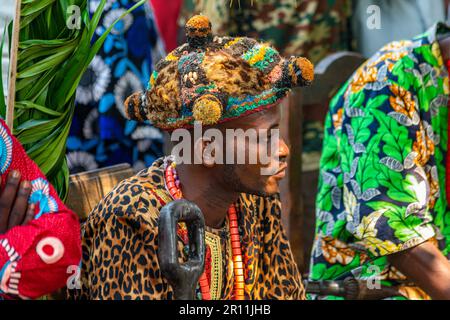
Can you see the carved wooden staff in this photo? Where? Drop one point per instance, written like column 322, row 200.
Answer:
column 13, row 67
column 182, row 277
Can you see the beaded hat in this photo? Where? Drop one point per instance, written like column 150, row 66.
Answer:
column 213, row 80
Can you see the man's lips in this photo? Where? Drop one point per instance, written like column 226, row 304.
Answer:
column 281, row 173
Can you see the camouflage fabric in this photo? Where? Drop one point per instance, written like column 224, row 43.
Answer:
column 313, row 29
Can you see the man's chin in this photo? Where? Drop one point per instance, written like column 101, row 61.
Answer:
column 268, row 190
column 272, row 186
column 261, row 193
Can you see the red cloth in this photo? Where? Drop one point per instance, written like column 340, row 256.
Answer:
column 166, row 16
column 34, row 259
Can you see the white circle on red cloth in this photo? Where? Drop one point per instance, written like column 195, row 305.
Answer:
column 53, row 243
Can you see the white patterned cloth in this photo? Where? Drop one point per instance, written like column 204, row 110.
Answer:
column 6, row 15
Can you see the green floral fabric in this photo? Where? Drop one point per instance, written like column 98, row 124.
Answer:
column 382, row 178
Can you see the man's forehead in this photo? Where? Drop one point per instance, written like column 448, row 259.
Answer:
column 264, row 119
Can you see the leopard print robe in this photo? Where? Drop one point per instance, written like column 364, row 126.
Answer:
column 120, row 247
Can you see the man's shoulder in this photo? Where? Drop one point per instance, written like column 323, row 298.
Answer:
column 393, row 65
column 379, row 69
column 140, row 195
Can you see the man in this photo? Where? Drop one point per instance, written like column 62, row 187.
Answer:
column 382, row 208
column 39, row 236
column 226, row 83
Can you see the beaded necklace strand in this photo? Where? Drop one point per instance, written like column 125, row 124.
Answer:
column 173, row 185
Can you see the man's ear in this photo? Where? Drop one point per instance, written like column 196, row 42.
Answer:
column 201, row 156
column 208, row 151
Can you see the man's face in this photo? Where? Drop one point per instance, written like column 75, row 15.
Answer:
column 270, row 151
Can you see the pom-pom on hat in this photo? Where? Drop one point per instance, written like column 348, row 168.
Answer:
column 213, row 80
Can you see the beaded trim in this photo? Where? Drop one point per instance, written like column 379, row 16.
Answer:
column 160, row 195
column 236, row 108
column 213, row 241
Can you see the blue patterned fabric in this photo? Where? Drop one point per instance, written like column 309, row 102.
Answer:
column 100, row 135
column 6, row 146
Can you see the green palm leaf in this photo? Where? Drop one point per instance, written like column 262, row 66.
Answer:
column 51, row 61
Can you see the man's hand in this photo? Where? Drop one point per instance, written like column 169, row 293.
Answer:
column 14, row 208
column 427, row 267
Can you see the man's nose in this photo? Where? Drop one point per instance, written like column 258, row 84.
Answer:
column 283, row 151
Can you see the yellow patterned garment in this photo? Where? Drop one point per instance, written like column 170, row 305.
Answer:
column 120, row 247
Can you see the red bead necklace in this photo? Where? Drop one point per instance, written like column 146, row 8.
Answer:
column 173, row 185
